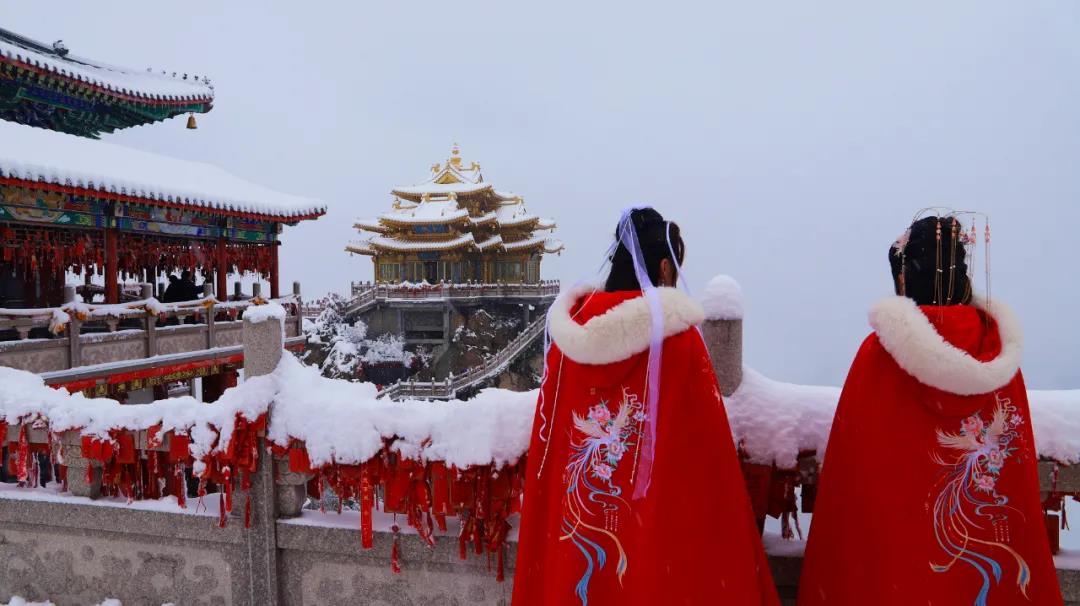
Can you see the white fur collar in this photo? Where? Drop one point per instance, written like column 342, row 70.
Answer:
column 909, row 337
column 621, row 331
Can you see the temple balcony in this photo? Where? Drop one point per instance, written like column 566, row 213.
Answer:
column 109, row 349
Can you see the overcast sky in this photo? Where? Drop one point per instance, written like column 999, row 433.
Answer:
column 792, row 141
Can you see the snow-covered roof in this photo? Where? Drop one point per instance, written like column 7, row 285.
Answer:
column 43, row 156
column 549, row 244
column 440, row 188
column 492, row 241
column 484, row 218
column 428, row 211
column 514, row 214
column 142, row 84
column 418, row 245
column 545, row 224
column 370, row 225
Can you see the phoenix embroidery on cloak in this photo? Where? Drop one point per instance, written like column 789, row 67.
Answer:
column 600, row 442
column 968, row 502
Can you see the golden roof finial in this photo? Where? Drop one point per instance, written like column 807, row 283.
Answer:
column 455, row 156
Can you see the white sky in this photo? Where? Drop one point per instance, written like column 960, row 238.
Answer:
column 792, row 143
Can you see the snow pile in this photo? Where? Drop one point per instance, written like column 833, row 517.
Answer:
column 21, row 601
column 260, row 313
column 1055, row 419
column 25, row 399
column 36, row 154
column 343, row 422
column 774, row 421
column 723, row 299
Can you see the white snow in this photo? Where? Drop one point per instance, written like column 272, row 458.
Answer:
column 351, row 424
column 269, row 311
column 441, row 188
column 429, row 211
column 129, row 81
column 774, row 421
column 723, row 299
column 24, row 398
column 1055, row 419
column 405, row 245
column 36, row 154
column 382, row 522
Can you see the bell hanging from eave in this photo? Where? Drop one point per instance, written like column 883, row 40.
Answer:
column 191, row 122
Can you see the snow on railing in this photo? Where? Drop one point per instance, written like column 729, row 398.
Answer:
column 420, row 459
column 57, row 319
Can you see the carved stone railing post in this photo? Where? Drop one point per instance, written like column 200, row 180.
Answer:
column 723, row 331
column 263, row 348
column 77, row 465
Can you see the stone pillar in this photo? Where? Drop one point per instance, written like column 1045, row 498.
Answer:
column 146, row 291
column 256, row 289
column 76, row 464
column 724, row 341
column 263, row 342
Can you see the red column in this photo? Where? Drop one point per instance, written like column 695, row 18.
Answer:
column 221, row 264
column 112, row 272
column 274, row 290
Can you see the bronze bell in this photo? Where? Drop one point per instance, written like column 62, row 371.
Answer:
column 191, row 122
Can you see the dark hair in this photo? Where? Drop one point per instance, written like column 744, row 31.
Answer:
column 920, row 258
column 652, row 234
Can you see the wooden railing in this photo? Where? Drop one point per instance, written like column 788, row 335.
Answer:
column 488, row 369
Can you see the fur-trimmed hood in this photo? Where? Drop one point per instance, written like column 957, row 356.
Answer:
column 619, row 332
column 920, row 350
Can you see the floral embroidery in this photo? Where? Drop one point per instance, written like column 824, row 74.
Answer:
column 601, row 440
column 968, row 500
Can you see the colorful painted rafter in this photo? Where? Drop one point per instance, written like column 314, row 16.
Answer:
column 45, row 85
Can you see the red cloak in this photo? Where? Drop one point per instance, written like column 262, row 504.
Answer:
column 583, row 540
column 928, row 492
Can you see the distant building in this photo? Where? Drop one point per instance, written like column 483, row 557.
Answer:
column 456, row 228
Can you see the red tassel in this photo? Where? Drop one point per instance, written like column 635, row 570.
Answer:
column 367, row 502
column 22, row 460
column 227, row 473
column 221, row 515
column 395, row 565
column 181, row 486
column 463, row 536
column 500, row 575
column 89, row 474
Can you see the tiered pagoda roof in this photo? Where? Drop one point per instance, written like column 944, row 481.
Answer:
column 455, row 209
column 45, row 85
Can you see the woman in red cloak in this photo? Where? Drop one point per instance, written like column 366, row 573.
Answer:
column 607, row 519
column 928, row 492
